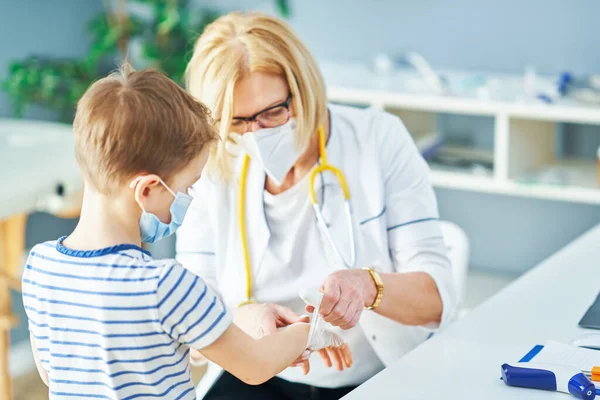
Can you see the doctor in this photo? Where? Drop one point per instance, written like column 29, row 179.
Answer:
column 254, row 233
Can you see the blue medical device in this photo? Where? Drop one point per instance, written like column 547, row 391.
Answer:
column 552, row 377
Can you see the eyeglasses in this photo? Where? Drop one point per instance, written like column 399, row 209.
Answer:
column 271, row 117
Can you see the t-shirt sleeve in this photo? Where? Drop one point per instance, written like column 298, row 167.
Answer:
column 36, row 313
column 188, row 309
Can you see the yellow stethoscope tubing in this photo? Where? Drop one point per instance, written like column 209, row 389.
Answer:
column 325, row 166
column 242, row 224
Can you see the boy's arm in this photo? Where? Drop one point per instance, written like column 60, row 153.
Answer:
column 256, row 361
column 192, row 314
column 38, row 364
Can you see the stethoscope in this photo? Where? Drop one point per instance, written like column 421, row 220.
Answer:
column 322, row 167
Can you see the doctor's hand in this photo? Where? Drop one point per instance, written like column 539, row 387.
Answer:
column 261, row 319
column 345, row 295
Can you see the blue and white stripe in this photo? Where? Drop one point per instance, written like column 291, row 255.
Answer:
column 116, row 324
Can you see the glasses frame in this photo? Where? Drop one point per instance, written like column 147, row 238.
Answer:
column 253, row 118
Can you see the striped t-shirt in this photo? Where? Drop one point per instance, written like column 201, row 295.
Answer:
column 115, row 323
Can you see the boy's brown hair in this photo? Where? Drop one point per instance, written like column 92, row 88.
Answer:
column 138, row 121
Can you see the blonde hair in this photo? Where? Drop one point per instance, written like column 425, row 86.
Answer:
column 236, row 45
column 132, row 122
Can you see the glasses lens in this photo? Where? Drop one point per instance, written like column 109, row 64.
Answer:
column 274, row 117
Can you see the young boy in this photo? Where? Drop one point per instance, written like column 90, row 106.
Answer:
column 107, row 320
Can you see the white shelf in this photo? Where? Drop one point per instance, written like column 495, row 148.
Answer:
column 482, row 184
column 463, row 181
column 355, row 83
column 565, row 112
column 523, row 134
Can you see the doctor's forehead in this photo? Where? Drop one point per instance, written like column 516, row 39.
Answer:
column 257, row 91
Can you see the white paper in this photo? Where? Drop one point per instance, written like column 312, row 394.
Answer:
column 567, row 354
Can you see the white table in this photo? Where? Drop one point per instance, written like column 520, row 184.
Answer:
column 35, row 158
column 463, row 362
column 38, row 172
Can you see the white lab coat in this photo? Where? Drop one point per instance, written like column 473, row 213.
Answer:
column 394, row 211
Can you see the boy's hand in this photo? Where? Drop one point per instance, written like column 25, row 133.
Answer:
column 341, row 357
column 262, row 319
column 303, row 361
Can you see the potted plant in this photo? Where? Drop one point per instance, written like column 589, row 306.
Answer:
column 149, row 33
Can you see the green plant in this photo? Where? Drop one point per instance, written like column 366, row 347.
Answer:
column 167, row 39
column 54, row 84
column 164, row 38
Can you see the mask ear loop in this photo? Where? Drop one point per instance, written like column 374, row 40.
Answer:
column 137, row 180
column 167, row 187
column 134, row 182
column 133, row 185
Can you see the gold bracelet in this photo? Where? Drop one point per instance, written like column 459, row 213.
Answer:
column 379, row 284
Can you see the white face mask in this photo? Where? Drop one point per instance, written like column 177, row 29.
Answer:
column 274, row 148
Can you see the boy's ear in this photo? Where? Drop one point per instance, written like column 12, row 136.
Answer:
column 143, row 186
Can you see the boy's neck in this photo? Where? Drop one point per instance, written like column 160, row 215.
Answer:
column 105, row 221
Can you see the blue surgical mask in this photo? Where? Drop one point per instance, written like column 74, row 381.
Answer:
column 153, row 229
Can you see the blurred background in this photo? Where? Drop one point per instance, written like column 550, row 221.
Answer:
column 514, row 155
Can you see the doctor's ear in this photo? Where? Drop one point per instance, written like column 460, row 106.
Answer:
column 143, row 186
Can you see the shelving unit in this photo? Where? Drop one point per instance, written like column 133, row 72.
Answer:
column 522, row 157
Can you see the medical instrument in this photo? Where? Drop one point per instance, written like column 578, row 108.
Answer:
column 383, row 64
column 325, row 166
column 322, row 167
column 554, row 377
column 565, row 80
column 433, row 80
column 470, row 85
